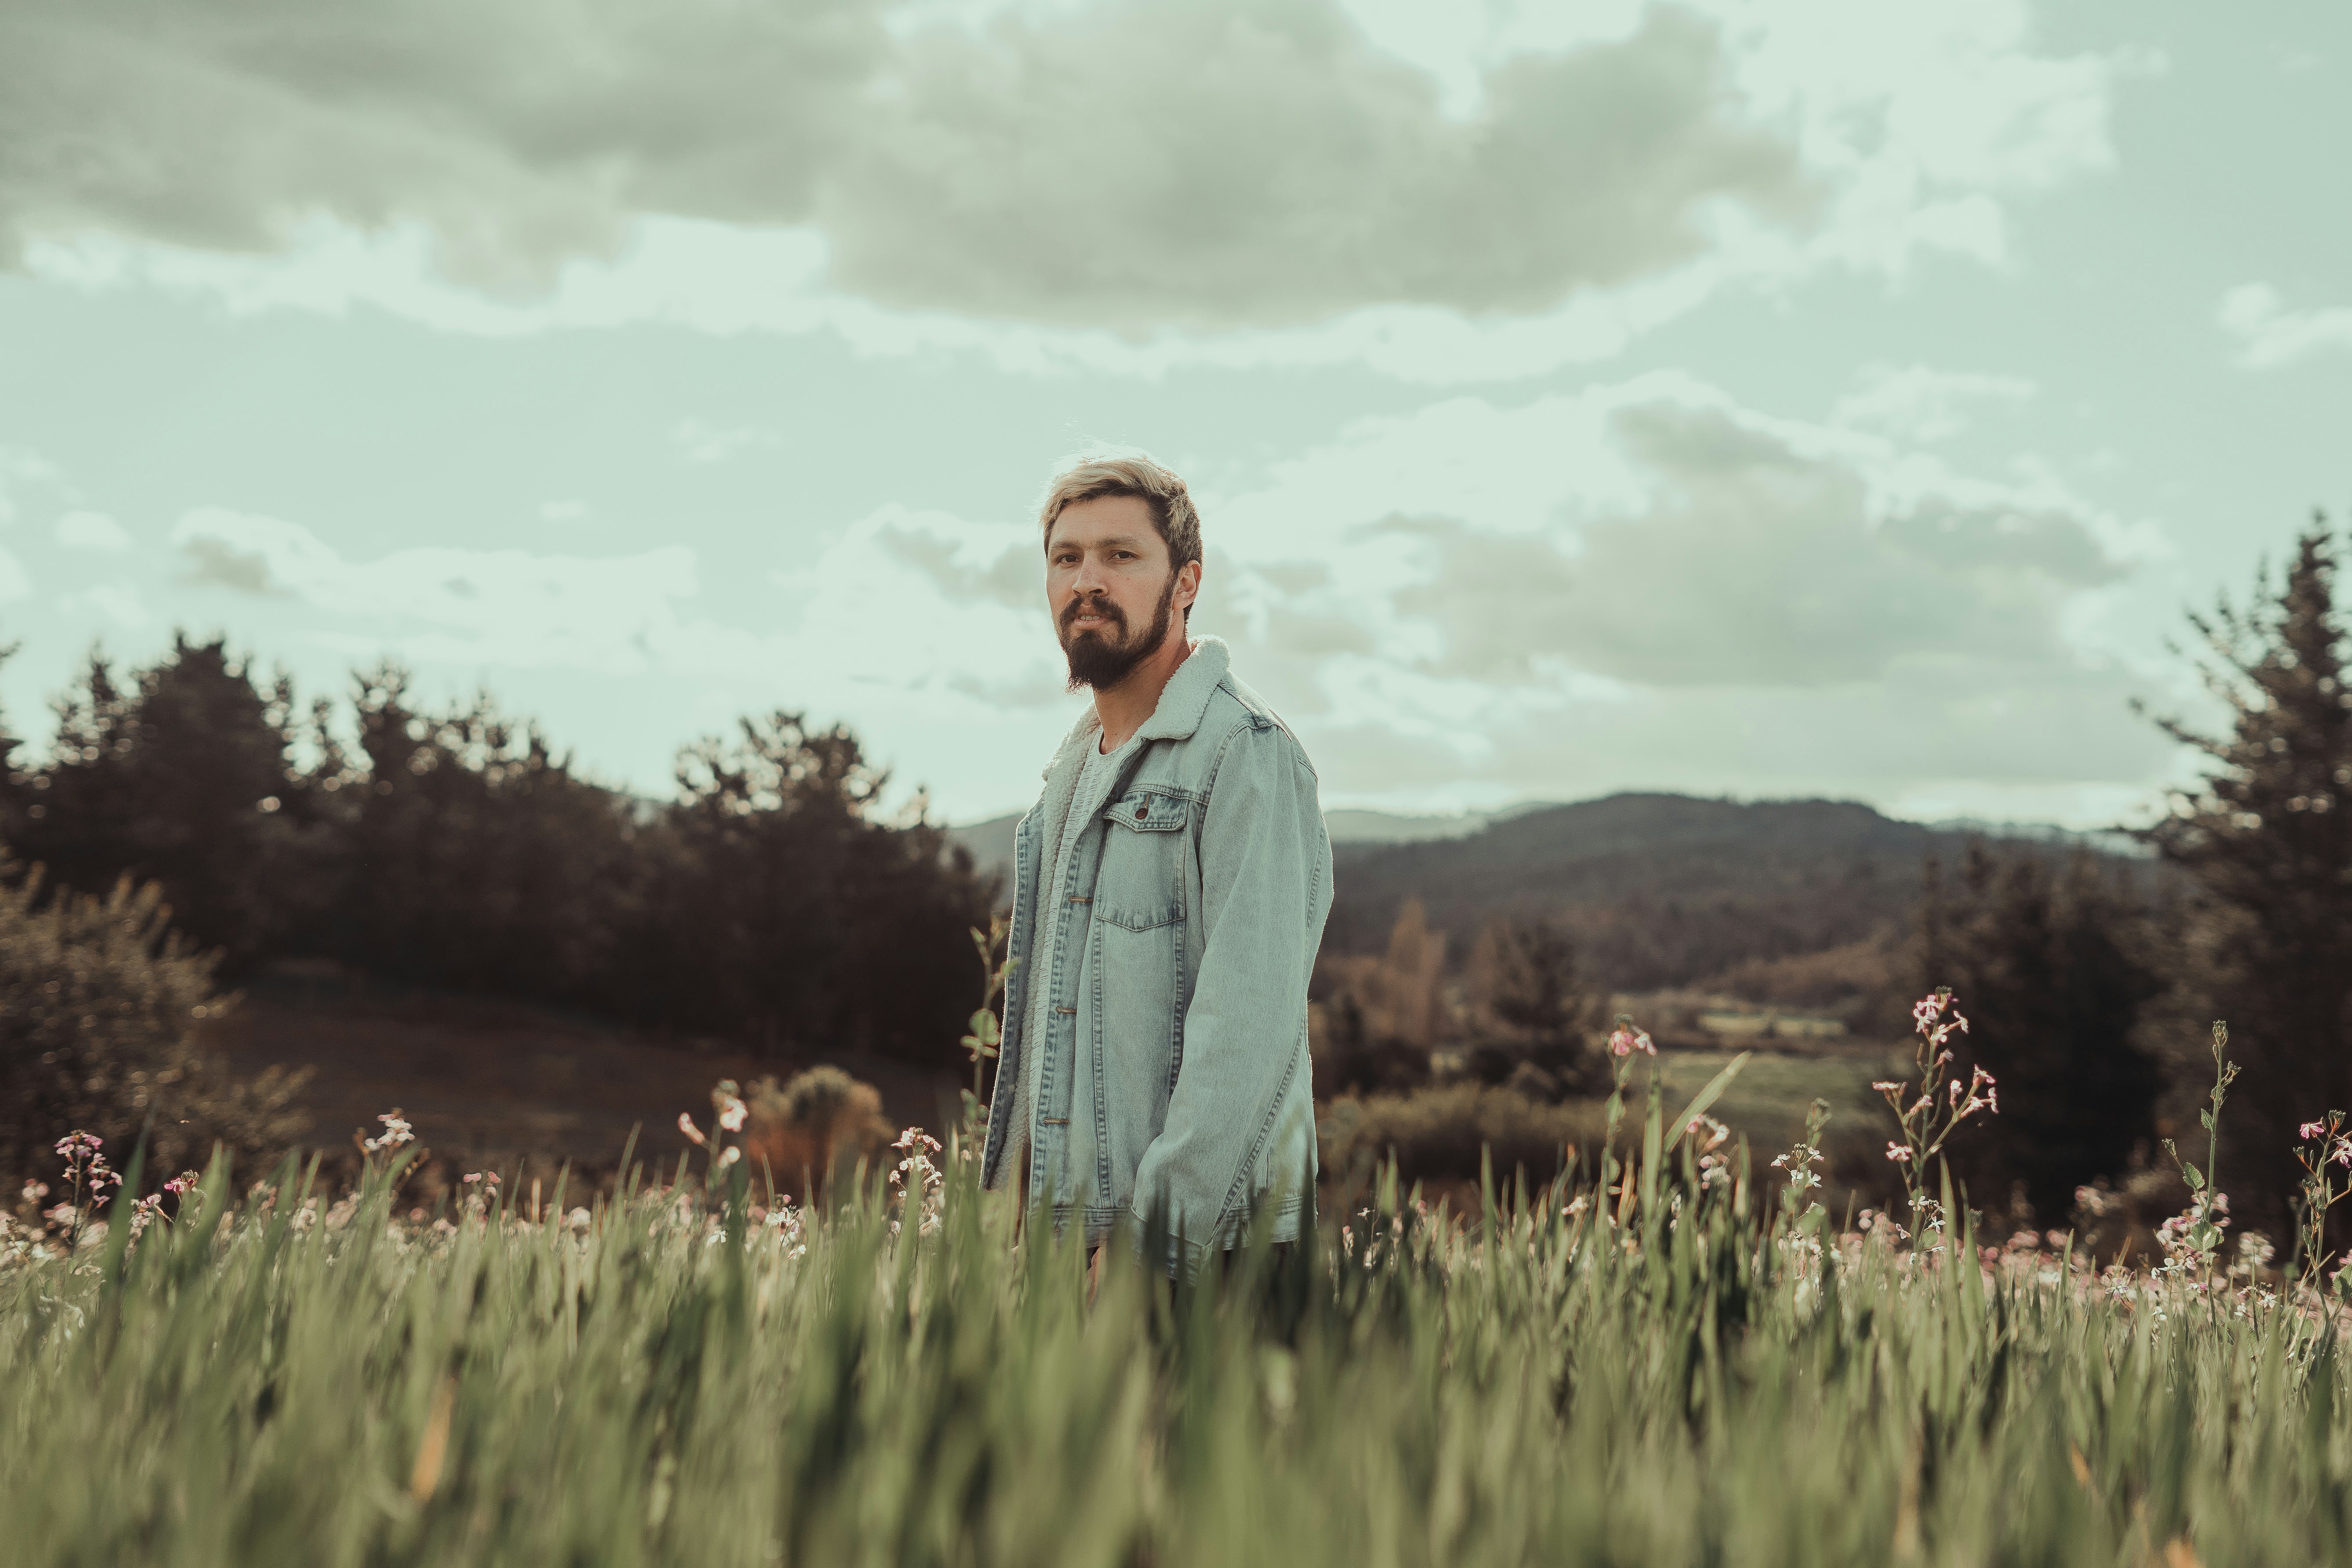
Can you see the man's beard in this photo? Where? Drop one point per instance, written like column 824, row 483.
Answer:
column 1094, row 659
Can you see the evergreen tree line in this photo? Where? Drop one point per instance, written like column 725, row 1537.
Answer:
column 765, row 903
column 2092, row 993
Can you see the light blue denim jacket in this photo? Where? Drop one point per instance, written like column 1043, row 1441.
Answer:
column 1175, row 1064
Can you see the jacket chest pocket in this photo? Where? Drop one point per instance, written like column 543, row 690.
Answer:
column 1140, row 885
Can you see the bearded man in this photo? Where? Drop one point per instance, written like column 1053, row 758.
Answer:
column 1168, row 892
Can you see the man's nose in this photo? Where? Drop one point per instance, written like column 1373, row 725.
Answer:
column 1089, row 578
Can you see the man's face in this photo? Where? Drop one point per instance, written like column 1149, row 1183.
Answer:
column 1109, row 585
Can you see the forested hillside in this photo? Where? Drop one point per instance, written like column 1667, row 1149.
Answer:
column 1659, row 890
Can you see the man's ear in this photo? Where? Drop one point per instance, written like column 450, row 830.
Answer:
column 1188, row 584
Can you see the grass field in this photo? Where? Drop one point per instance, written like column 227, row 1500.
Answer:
column 1686, row 1379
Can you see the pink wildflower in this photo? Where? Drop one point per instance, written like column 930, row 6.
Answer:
column 694, row 1134
column 732, row 1119
column 1898, row 1152
column 1628, row 1039
column 2312, row 1130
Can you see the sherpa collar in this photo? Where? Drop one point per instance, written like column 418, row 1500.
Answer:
column 1177, row 713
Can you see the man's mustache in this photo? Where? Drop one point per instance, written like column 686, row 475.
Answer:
column 1103, row 607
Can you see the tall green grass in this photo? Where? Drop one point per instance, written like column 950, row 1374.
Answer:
column 269, row 1382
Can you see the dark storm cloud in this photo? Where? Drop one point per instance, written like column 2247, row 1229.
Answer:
column 1134, row 165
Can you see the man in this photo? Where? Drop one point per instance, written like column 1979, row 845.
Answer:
column 1169, row 892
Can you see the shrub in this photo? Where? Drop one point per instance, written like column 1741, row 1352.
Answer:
column 801, row 1133
column 1535, row 1013
column 103, row 1011
column 1350, row 1059
column 1437, row 1134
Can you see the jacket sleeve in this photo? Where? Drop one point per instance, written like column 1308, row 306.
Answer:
column 1264, row 881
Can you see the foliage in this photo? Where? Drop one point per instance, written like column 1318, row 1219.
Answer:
column 2055, row 964
column 1658, row 891
column 184, row 776
column 986, row 1030
column 805, row 1132
column 1447, row 1131
column 2195, row 1236
column 459, row 849
column 665, row 1379
column 2267, row 836
column 1377, row 1016
column 475, row 857
column 1536, row 1013
column 103, row 1011
column 1930, row 1111
column 1348, row 1057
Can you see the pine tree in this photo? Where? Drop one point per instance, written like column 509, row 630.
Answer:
column 2049, row 967
column 2268, row 839
column 183, row 774
column 1539, row 1010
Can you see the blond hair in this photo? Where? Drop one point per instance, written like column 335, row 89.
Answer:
column 1157, row 487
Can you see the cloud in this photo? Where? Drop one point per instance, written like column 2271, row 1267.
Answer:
column 500, row 606
column 2269, row 335
column 1120, row 181
column 698, row 442
column 26, row 475
column 1913, row 402
column 1649, row 582
column 14, row 584
column 1272, row 168
column 1756, row 562
column 120, row 604
column 520, row 137
column 1014, row 576
column 1643, row 582
column 92, row 531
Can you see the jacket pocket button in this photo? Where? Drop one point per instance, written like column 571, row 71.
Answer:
column 1142, row 812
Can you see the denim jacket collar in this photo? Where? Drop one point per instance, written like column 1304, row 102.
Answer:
column 1177, row 713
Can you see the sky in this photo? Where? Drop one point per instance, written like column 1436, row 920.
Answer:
column 1813, row 398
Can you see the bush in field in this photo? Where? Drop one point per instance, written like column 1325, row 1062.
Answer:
column 1376, row 1016
column 805, row 1132
column 1348, row 1057
column 1439, row 1133
column 103, row 1011
column 1534, row 1012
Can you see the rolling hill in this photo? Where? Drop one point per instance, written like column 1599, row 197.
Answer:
column 1662, row 890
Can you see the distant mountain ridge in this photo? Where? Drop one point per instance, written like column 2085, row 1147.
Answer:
column 1661, row 889
column 1665, row 889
